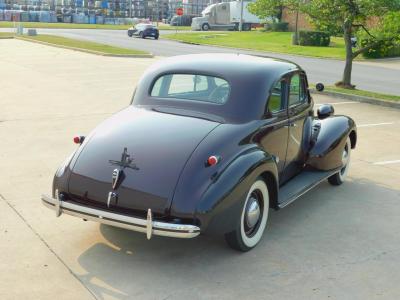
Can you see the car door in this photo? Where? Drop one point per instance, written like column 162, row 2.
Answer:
column 298, row 111
column 275, row 131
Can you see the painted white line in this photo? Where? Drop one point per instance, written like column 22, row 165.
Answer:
column 337, row 103
column 388, row 162
column 375, row 124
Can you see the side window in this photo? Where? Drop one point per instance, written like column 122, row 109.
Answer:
column 297, row 93
column 276, row 100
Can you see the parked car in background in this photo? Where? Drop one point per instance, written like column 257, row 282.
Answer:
column 144, row 30
column 225, row 16
column 209, row 144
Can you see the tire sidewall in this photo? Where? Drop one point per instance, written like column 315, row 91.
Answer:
column 205, row 27
column 342, row 177
column 250, row 242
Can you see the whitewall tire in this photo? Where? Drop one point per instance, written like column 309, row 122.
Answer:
column 339, row 177
column 253, row 218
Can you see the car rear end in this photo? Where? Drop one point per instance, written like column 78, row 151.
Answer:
column 151, row 31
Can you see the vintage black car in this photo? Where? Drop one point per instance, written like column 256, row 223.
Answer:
column 144, row 30
column 208, row 145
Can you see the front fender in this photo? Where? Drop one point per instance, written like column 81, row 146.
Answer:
column 328, row 141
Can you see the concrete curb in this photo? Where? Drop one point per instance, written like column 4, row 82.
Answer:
column 6, row 37
column 358, row 98
column 85, row 50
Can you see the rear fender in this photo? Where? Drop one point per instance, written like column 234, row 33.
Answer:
column 328, row 139
column 220, row 207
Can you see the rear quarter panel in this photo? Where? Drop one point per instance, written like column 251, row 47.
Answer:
column 213, row 195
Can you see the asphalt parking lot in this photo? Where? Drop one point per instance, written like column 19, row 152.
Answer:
column 333, row 243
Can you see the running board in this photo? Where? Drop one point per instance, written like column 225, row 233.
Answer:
column 301, row 184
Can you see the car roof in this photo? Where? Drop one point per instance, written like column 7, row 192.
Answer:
column 251, row 79
column 228, row 65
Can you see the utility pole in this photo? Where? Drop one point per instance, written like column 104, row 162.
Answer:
column 241, row 15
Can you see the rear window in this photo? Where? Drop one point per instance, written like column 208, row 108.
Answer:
column 191, row 87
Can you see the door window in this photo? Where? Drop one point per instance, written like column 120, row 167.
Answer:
column 276, row 100
column 297, row 93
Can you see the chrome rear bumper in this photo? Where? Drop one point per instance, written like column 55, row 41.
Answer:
column 147, row 225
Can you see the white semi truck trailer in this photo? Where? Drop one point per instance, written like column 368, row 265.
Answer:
column 225, row 16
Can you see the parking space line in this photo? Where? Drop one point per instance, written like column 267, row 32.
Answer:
column 387, row 162
column 375, row 124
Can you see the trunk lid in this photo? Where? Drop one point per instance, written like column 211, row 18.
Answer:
column 159, row 145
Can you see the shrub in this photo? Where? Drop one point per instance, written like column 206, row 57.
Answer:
column 383, row 49
column 277, row 26
column 314, row 38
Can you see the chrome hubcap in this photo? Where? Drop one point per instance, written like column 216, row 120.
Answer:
column 252, row 212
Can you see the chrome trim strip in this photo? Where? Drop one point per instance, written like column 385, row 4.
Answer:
column 147, row 226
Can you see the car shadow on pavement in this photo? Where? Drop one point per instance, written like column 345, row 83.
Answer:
column 318, row 228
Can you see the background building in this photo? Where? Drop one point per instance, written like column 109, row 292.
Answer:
column 97, row 11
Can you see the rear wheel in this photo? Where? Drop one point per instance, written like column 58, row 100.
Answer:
column 246, row 27
column 156, row 37
column 339, row 177
column 130, row 34
column 253, row 219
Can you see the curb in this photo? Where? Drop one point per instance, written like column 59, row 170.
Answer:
column 6, row 37
column 358, row 98
column 150, row 55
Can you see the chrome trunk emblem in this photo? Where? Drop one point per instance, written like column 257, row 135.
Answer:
column 115, row 178
column 125, row 162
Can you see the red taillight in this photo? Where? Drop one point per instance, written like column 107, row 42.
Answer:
column 213, row 160
column 78, row 139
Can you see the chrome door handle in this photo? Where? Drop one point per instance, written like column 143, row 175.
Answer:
column 291, row 125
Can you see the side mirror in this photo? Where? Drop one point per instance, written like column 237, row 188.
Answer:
column 320, row 87
column 325, row 111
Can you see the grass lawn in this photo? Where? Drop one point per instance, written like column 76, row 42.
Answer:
column 363, row 93
column 6, row 34
column 86, row 45
column 5, row 24
column 280, row 42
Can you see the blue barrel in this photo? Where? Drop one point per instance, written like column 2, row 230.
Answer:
column 25, row 16
column 92, row 19
column 104, row 4
column 78, row 3
column 99, row 20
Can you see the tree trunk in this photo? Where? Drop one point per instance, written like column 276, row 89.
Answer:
column 296, row 30
column 346, row 79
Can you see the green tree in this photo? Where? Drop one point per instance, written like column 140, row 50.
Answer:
column 352, row 16
column 274, row 8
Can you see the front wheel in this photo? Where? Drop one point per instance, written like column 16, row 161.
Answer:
column 253, row 219
column 339, row 177
column 205, row 27
column 141, row 35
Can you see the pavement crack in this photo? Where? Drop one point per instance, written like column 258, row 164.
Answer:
column 46, row 244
